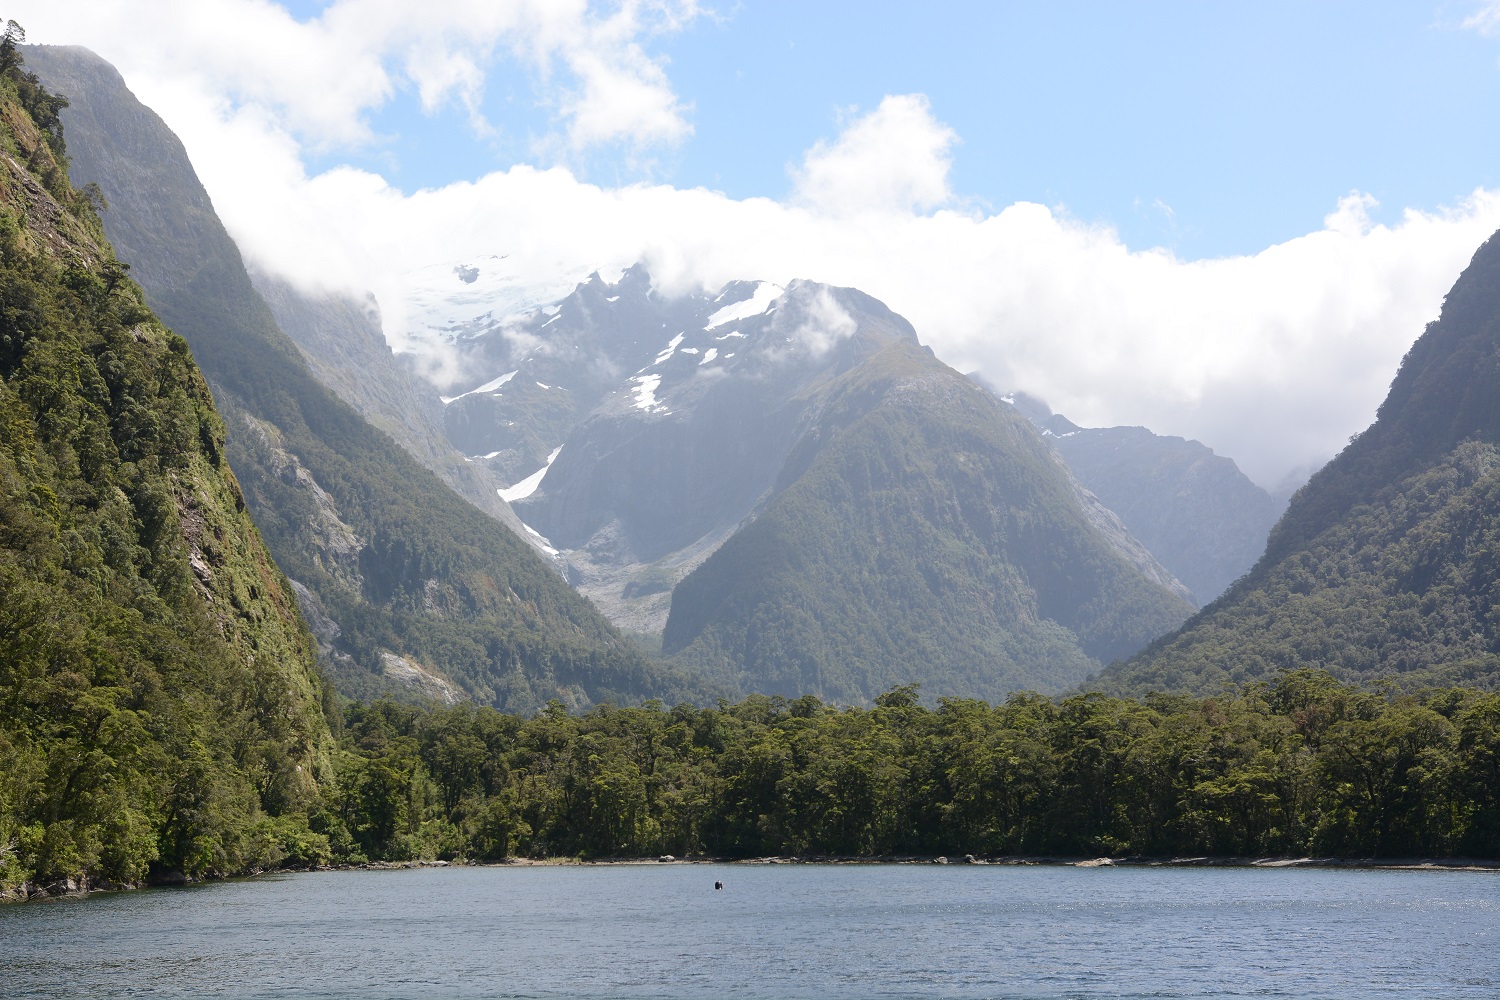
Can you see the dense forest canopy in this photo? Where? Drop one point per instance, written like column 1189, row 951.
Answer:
column 1304, row 765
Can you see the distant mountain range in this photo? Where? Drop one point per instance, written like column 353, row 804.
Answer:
column 1386, row 565
column 1196, row 511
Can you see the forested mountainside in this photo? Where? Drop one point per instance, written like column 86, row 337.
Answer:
column 160, row 705
column 402, row 579
column 918, row 533
column 1196, row 511
column 1386, row 566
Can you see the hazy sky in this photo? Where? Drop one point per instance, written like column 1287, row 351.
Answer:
column 1227, row 222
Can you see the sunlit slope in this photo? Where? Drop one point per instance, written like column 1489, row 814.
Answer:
column 160, row 706
column 922, row 532
column 1387, row 563
column 403, row 580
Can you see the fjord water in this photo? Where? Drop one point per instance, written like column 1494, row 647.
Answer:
column 635, row 931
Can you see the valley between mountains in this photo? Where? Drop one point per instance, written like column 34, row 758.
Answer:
column 272, row 593
column 758, row 488
column 770, row 489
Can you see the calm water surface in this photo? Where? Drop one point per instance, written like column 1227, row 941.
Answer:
column 773, row 932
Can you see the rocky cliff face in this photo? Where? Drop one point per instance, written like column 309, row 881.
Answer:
column 342, row 342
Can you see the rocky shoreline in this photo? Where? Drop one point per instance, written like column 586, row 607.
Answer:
column 74, row 888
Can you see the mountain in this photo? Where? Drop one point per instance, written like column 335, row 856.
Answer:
column 539, row 372
column 685, row 432
column 914, row 530
column 1196, row 511
column 343, row 344
column 405, row 582
column 637, row 432
column 1384, row 565
column 160, row 705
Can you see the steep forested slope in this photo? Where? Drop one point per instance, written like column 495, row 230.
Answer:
column 1387, row 563
column 160, row 706
column 400, row 576
column 920, row 532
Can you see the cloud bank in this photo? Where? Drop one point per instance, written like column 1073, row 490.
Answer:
column 1274, row 359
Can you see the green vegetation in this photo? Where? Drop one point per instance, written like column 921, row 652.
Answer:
column 925, row 533
column 1385, row 565
column 1401, row 589
column 161, row 714
column 1303, row 765
column 160, row 708
column 398, row 564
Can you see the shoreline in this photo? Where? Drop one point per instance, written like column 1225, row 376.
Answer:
column 73, row 890
column 1053, row 861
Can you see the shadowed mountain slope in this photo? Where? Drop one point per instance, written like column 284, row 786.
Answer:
column 1195, row 510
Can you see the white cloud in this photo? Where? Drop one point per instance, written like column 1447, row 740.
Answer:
column 1485, row 20
column 895, row 159
column 622, row 94
column 321, row 78
column 1273, row 359
column 820, row 324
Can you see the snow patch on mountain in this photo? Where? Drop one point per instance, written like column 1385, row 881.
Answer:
column 645, row 392
column 709, row 355
column 759, row 302
column 489, row 386
column 669, row 350
column 527, row 486
column 542, row 541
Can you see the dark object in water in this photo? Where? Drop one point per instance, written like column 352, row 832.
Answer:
column 718, row 886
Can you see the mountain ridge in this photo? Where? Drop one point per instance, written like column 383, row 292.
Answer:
column 1193, row 509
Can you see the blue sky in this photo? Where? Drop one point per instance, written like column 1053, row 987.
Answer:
column 1206, row 128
